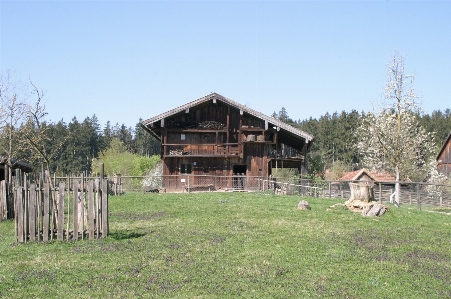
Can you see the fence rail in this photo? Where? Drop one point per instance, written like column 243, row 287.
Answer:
column 412, row 193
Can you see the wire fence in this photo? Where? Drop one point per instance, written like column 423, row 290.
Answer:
column 419, row 195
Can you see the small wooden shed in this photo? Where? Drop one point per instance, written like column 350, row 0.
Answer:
column 6, row 174
column 365, row 175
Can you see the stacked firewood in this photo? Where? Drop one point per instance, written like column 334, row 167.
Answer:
column 178, row 152
column 182, row 124
column 210, row 125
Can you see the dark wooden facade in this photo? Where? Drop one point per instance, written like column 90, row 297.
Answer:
column 217, row 136
column 444, row 158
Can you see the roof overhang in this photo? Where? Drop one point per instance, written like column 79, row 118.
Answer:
column 288, row 133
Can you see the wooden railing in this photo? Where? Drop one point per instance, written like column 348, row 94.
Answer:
column 226, row 149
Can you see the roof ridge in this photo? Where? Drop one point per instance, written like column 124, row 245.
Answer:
column 231, row 102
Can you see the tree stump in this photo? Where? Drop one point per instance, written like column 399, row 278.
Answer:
column 362, row 200
column 362, row 192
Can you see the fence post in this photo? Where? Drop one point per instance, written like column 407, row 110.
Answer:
column 19, row 215
column 418, row 196
column 60, row 216
column 47, row 212
column 105, row 223
column 32, row 213
column 380, row 193
column 75, row 190
column 188, row 184
column 330, row 190
column 91, row 208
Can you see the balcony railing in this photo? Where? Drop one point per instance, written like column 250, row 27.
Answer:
column 226, row 149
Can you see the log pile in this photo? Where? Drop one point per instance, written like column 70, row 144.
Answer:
column 371, row 208
column 182, row 124
column 210, row 125
column 178, row 152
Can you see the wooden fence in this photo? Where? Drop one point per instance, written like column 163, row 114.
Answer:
column 61, row 213
column 6, row 202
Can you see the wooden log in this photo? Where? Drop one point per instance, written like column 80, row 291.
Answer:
column 19, row 215
column 91, row 209
column 104, row 208
column 75, row 190
column 32, row 213
column 97, row 206
column 68, row 208
column 60, row 222
column 46, row 222
column 82, row 207
column 3, row 203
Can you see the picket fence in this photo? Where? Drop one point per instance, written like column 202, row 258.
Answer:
column 61, row 213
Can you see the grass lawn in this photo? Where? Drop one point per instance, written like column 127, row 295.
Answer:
column 237, row 245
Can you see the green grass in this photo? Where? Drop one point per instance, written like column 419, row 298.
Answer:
column 237, row 245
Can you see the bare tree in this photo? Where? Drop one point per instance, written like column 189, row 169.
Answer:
column 13, row 114
column 392, row 139
column 34, row 132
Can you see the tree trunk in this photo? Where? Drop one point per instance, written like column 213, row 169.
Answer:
column 361, row 191
column 397, row 188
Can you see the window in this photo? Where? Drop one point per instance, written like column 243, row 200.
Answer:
column 182, row 137
column 185, row 168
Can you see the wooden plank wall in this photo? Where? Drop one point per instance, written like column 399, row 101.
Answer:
column 3, row 205
column 444, row 160
column 6, row 201
column 43, row 214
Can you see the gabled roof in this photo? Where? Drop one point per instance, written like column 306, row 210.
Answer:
column 244, row 108
column 375, row 176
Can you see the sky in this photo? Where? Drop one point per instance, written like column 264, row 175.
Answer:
column 126, row 60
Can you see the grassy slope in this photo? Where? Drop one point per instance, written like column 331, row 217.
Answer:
column 231, row 245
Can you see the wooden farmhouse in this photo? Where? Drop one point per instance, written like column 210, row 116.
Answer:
column 216, row 136
column 444, row 158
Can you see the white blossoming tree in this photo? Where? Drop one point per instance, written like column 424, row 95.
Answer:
column 438, row 179
column 391, row 138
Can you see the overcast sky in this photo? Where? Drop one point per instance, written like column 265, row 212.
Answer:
column 126, row 60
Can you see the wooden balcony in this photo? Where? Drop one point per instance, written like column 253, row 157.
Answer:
column 201, row 150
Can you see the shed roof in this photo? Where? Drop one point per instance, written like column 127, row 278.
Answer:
column 26, row 167
column 214, row 96
column 375, row 176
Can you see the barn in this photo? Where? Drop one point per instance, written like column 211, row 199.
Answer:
column 444, row 157
column 217, row 137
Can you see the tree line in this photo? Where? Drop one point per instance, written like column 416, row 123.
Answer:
column 335, row 137
column 78, row 143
